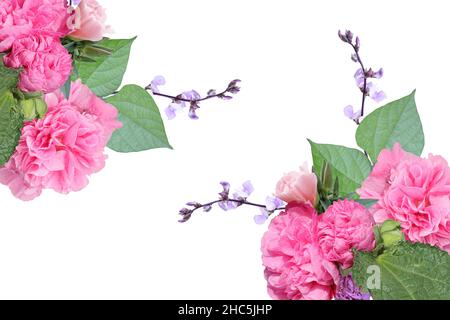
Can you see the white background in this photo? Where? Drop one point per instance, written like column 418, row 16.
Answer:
column 119, row 238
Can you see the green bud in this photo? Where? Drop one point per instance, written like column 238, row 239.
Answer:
column 41, row 107
column 327, row 177
column 391, row 233
column 28, row 109
column 33, row 108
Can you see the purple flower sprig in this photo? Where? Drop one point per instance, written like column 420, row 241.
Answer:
column 229, row 202
column 362, row 76
column 190, row 98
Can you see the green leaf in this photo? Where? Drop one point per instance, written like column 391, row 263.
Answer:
column 11, row 123
column 143, row 128
column 368, row 203
column 407, row 271
column 105, row 75
column 8, row 77
column 399, row 122
column 350, row 166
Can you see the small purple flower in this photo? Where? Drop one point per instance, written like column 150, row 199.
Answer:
column 240, row 195
column 351, row 114
column 193, row 111
column 273, row 203
column 262, row 218
column 347, row 289
column 359, row 78
column 191, row 95
column 374, row 93
column 245, row 192
column 156, row 82
column 173, row 109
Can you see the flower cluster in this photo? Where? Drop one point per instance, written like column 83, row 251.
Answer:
column 61, row 150
column 190, row 98
column 30, row 31
column 362, row 76
column 301, row 245
column 63, row 125
column 350, row 215
column 413, row 191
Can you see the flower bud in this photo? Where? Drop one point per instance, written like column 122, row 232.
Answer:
column 33, row 108
column 391, row 233
column 28, row 109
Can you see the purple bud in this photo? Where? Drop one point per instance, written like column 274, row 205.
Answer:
column 379, row 74
column 349, row 36
column 193, row 109
column 194, row 204
column 226, row 190
column 342, row 36
column 357, row 44
column 212, row 92
column 354, row 57
column 186, row 214
column 207, row 208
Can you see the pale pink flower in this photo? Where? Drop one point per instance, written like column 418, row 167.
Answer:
column 414, row 192
column 295, row 266
column 90, row 21
column 58, row 152
column 19, row 18
column 298, row 186
column 46, row 63
column 345, row 225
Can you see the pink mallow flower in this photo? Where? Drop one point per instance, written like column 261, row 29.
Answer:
column 61, row 150
column 345, row 225
column 298, row 186
column 46, row 63
column 19, row 18
column 413, row 191
column 296, row 268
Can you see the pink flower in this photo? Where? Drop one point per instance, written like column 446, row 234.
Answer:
column 19, row 18
column 346, row 225
column 90, row 21
column 295, row 266
column 58, row 152
column 298, row 186
column 86, row 102
column 415, row 192
column 46, row 63
column 378, row 181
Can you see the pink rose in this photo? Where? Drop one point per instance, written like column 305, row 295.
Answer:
column 295, row 266
column 298, row 186
column 46, row 63
column 346, row 225
column 60, row 151
column 90, row 21
column 415, row 192
column 19, row 18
